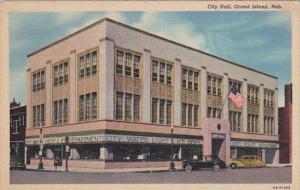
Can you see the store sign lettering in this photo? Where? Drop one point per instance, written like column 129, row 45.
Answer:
column 115, row 138
column 253, row 144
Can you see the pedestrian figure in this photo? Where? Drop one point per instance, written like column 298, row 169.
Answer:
column 56, row 161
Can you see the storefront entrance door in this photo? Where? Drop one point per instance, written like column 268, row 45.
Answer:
column 216, row 147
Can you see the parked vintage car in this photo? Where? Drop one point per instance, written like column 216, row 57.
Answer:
column 247, row 161
column 213, row 163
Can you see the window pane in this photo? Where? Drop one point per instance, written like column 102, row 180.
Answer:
column 154, row 70
column 128, row 107
column 119, row 106
column 154, row 110
column 190, row 114
column 136, row 107
column 94, row 62
column 128, row 64
column 81, row 108
column 66, row 110
column 183, row 115
column 169, row 112
column 196, row 108
column 169, row 74
column 82, row 66
column 66, row 72
column 88, row 107
column 119, row 66
column 94, row 105
column 162, row 73
column 162, row 111
column 136, row 66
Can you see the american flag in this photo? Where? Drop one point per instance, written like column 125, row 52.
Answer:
column 236, row 97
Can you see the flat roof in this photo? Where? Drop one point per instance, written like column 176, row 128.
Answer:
column 149, row 34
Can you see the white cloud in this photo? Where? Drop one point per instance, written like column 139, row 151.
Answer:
column 65, row 17
column 181, row 32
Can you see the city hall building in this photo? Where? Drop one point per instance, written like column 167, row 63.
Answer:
column 115, row 91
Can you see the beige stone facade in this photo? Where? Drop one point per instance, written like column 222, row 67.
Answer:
column 119, row 80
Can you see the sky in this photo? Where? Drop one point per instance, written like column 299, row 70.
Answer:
column 259, row 40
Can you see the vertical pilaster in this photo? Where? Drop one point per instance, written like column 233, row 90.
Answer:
column 25, row 155
column 106, row 79
column 263, row 155
column 48, row 104
column 225, row 114
column 177, row 92
column 261, row 109
column 28, row 99
column 73, row 86
column 245, row 106
column 203, row 92
column 146, row 86
column 276, row 111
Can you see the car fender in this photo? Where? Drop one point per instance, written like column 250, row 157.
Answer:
column 238, row 163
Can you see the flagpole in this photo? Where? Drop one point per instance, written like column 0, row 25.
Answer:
column 226, row 97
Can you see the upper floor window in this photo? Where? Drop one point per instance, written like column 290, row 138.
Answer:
column 253, row 94
column 88, row 64
column 184, row 77
column 189, row 115
column 128, row 63
column 38, row 116
column 164, row 70
column 60, row 111
column 88, row 106
column 38, row 81
column 161, row 111
column 268, row 98
column 61, row 74
column 214, row 85
column 236, row 83
column 131, row 109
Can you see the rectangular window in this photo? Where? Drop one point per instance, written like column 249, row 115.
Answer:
column 87, row 107
column 209, row 84
column 169, row 74
column 61, row 73
column 169, row 112
column 88, row 64
column 183, row 115
column 128, row 59
column 34, row 83
column 136, row 71
column 128, row 107
column 190, row 80
column 38, row 77
column 119, row 106
column 190, row 115
column 55, row 113
column 60, row 112
column 249, row 123
column 214, row 86
column 161, row 111
column 119, row 66
column 82, row 66
column 81, row 108
column 184, row 75
column 239, row 121
column 136, row 108
column 94, row 105
column 42, row 117
column 196, row 111
column 94, row 63
column 66, row 111
column 42, row 79
column 66, row 72
column 34, row 116
column 154, row 110
column 154, row 70
column 196, row 79
column 162, row 73
column 219, row 87
column 209, row 110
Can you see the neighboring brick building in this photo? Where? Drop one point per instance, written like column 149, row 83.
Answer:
column 17, row 130
column 115, row 90
column 285, row 127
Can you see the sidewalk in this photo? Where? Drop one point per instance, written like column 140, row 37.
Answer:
column 63, row 169
column 278, row 165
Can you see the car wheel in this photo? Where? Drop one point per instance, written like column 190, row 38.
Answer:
column 233, row 166
column 188, row 168
column 216, row 167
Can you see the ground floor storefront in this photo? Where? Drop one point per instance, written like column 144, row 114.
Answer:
column 137, row 151
column 267, row 151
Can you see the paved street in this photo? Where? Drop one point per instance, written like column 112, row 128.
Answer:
column 255, row 175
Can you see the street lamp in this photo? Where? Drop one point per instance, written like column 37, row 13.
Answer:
column 172, row 165
column 67, row 151
column 41, row 165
